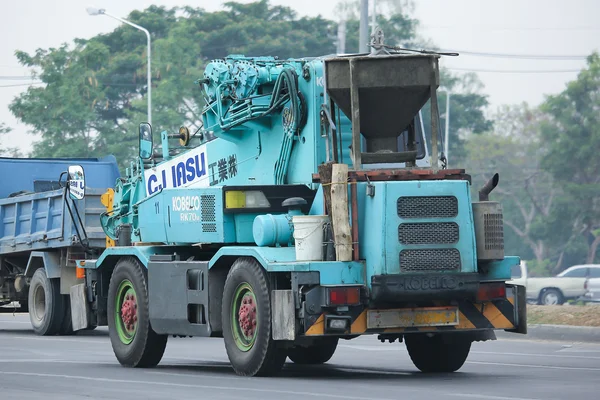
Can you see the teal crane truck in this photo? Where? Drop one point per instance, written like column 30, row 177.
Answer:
column 43, row 231
column 307, row 209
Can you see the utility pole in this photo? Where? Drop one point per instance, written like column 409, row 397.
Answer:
column 341, row 36
column 374, row 18
column 363, row 40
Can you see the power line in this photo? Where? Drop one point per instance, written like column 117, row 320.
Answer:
column 511, row 28
column 516, row 71
column 21, row 84
column 522, row 56
column 15, row 77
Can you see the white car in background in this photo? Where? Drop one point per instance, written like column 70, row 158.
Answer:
column 570, row 284
column 592, row 286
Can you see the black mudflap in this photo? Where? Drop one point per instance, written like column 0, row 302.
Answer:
column 178, row 296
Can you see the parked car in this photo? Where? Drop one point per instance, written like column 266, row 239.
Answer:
column 570, row 284
column 592, row 286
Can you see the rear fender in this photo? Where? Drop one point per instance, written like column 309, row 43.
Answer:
column 283, row 259
column 42, row 259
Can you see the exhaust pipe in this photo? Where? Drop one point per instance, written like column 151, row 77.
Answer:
column 488, row 187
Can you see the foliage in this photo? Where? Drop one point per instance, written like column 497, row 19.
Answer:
column 572, row 134
column 7, row 151
column 95, row 91
column 549, row 185
column 467, row 116
column 526, row 192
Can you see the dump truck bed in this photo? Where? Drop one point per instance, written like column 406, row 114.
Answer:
column 41, row 221
column 33, row 207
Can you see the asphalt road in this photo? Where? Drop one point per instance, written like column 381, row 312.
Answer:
column 84, row 367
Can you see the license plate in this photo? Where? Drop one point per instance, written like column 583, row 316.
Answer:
column 412, row 317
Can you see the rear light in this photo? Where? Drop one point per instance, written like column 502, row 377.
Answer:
column 343, row 296
column 491, row 291
column 337, row 323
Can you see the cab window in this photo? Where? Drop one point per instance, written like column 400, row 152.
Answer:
column 515, row 272
column 576, row 273
column 594, row 272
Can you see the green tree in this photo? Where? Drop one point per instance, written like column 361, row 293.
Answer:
column 94, row 92
column 528, row 193
column 467, row 105
column 7, row 151
column 572, row 136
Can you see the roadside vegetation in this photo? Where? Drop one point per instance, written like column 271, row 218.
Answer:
column 575, row 315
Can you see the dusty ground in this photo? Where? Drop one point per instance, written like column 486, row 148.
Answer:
column 564, row 315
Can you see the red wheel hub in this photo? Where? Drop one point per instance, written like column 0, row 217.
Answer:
column 247, row 315
column 129, row 311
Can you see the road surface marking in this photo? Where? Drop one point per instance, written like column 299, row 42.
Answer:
column 532, row 366
column 47, row 338
column 534, row 355
column 488, row 397
column 50, row 360
column 14, row 322
column 182, row 385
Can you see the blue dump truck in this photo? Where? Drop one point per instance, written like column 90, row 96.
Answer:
column 43, row 232
column 309, row 208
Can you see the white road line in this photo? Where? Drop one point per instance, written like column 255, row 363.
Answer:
column 246, row 389
column 400, row 348
column 14, row 322
column 533, row 366
column 371, row 348
column 534, row 355
column 488, row 397
column 200, row 375
column 182, row 385
column 578, row 351
column 69, row 339
column 57, row 361
column 373, row 371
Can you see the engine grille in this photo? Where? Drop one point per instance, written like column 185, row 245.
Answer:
column 427, row 207
column 208, row 213
column 494, row 232
column 429, row 260
column 428, row 233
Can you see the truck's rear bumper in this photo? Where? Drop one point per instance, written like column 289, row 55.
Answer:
column 419, row 287
column 508, row 314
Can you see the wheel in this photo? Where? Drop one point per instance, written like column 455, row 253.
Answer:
column 246, row 318
column 45, row 304
column 437, row 353
column 319, row 353
column 551, row 297
column 134, row 342
column 66, row 327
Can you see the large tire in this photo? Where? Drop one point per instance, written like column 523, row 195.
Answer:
column 246, row 318
column 437, row 353
column 45, row 304
column 551, row 297
column 134, row 342
column 318, row 353
column 66, row 327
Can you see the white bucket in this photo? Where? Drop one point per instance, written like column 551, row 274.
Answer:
column 308, row 236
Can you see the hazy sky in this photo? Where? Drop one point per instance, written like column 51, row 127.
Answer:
column 532, row 27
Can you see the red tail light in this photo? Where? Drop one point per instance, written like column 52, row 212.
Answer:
column 491, row 291
column 343, row 296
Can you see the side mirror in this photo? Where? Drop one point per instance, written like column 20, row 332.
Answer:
column 76, row 182
column 145, row 141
